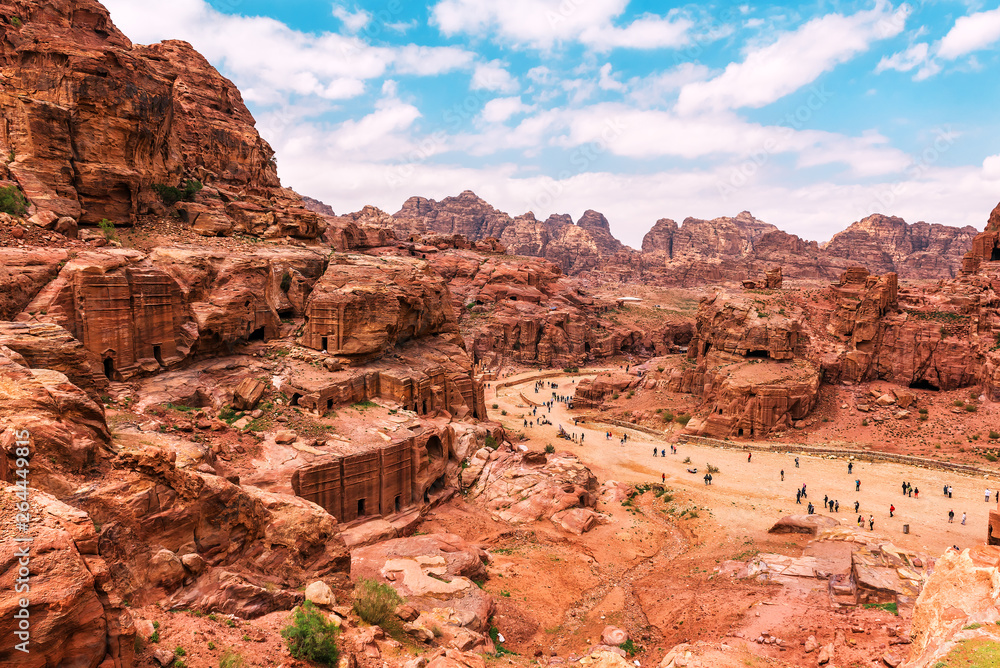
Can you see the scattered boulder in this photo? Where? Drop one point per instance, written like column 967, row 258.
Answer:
column 576, row 520
column 248, row 394
column 320, row 593
column 613, row 636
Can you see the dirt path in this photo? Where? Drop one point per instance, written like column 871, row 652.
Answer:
column 749, row 497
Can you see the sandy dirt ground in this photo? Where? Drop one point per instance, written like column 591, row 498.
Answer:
column 653, row 568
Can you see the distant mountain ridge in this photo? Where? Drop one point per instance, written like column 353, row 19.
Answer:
column 697, row 250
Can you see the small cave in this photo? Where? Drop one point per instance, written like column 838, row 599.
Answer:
column 295, row 399
column 158, row 355
column 995, row 256
column 924, row 384
column 256, row 335
column 397, row 503
column 324, row 342
column 109, row 368
column 435, row 449
column 757, row 354
column 361, row 507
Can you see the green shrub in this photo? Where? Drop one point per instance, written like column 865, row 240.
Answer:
column 310, row 637
column 864, row 423
column 16, row 21
column 922, row 411
column 971, row 408
column 959, row 403
column 211, row 645
column 668, row 415
column 286, row 281
column 683, row 419
column 503, row 412
column 630, row 647
column 990, row 457
column 107, row 229
column 179, row 651
column 550, row 448
column 155, row 637
column 994, row 434
column 376, row 603
column 495, row 406
column 170, row 195
column 712, row 469
column 491, row 442
column 12, row 201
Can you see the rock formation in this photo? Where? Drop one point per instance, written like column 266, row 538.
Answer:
column 93, row 122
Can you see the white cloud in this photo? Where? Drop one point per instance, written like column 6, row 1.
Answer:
column 658, row 88
column 542, row 24
column 494, row 77
column 971, row 33
column 268, row 60
column 353, row 21
column 500, row 109
column 793, row 60
column 904, row 61
column 608, row 80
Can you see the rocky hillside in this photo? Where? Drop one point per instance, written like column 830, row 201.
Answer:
column 98, row 128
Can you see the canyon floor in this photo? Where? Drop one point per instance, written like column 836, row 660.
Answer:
column 653, row 568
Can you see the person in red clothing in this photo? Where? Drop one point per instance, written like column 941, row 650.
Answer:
column 749, row 455
column 892, row 509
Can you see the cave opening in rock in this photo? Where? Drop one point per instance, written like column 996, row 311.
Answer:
column 425, row 407
column 435, row 449
column 329, row 404
column 398, row 503
column 361, row 507
column 757, row 354
column 323, row 343
column 995, row 257
column 437, row 485
column 256, row 335
column 109, row 368
column 924, row 384
column 513, row 298
column 624, row 346
column 740, row 433
column 158, row 355
column 295, row 399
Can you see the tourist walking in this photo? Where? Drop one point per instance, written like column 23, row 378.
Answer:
column 810, row 508
column 664, row 477
column 857, row 485
column 987, row 494
column 709, row 478
column 871, row 523
column 836, row 508
column 861, row 521
column 796, row 462
column 850, row 468
column 857, row 505
column 916, row 492
column 706, row 480
column 798, row 496
column 951, row 516
column 892, row 509
column 749, row 455
column 963, row 518
column 782, row 475
column 904, row 488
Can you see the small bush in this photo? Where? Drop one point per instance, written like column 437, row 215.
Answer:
column 155, row 637
column 550, row 448
column 683, row 419
column 503, row 412
column 630, row 647
column 16, row 21
column 286, row 281
column 12, row 201
column 495, row 406
column 959, row 403
column 668, row 416
column 712, row 469
column 924, row 417
column 687, row 460
column 990, row 457
column 994, row 434
column 376, row 603
column 491, row 442
column 864, row 423
column 179, row 651
column 970, row 408
column 170, row 195
column 922, row 411
column 108, row 229
column 310, row 637
column 211, row 645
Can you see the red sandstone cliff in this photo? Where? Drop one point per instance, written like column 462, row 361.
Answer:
column 92, row 122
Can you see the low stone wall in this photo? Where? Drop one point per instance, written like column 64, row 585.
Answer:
column 865, row 455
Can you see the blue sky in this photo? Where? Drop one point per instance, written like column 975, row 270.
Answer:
column 811, row 116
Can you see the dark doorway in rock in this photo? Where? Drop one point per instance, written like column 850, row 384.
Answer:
column 323, row 343
column 924, row 384
column 435, row 449
column 256, row 335
column 295, row 399
column 329, row 404
column 757, row 354
column 425, row 407
column 109, row 368
column 995, row 257
column 398, row 503
column 740, row 432
column 361, row 507
column 158, row 355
